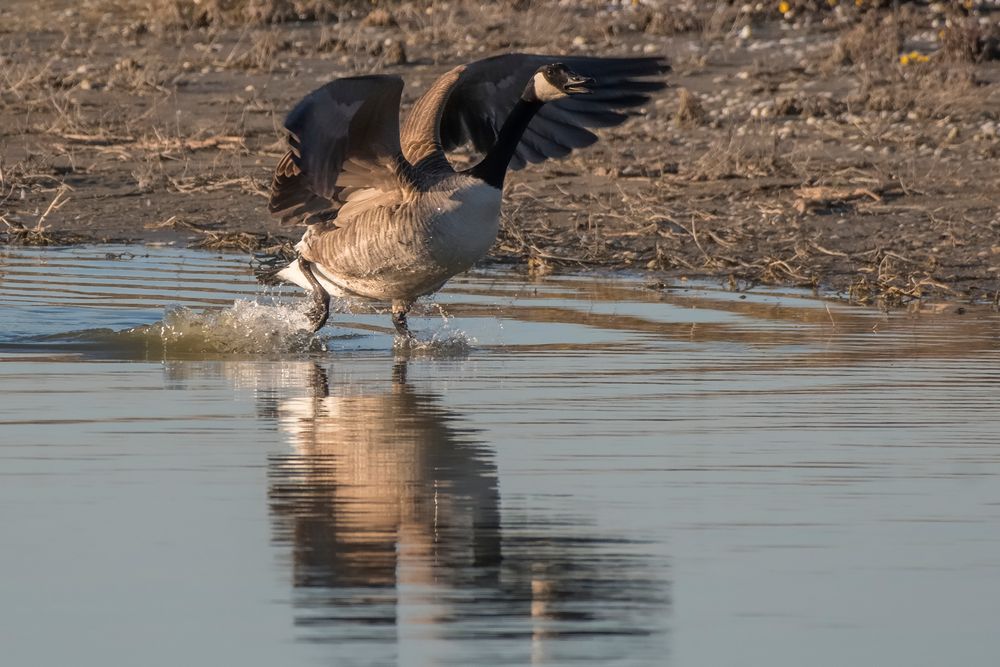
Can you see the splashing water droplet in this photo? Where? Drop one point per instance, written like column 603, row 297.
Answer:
column 246, row 327
column 440, row 343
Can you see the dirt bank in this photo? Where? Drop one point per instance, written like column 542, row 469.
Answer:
column 853, row 148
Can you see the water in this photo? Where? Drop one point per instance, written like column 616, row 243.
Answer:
column 568, row 471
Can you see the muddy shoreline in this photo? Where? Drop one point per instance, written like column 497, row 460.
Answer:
column 850, row 149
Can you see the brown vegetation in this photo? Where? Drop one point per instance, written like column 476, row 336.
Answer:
column 850, row 146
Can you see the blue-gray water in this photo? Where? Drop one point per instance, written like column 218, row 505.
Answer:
column 568, row 471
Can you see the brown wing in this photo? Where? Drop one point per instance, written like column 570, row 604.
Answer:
column 342, row 137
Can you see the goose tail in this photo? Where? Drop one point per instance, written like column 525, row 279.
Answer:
column 267, row 267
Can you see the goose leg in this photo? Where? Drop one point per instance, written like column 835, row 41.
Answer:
column 399, row 372
column 319, row 382
column 399, row 310
column 320, row 311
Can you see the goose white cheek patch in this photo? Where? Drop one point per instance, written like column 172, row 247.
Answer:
column 545, row 91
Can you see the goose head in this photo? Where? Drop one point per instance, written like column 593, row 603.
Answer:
column 555, row 81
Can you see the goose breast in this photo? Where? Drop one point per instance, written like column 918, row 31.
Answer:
column 411, row 248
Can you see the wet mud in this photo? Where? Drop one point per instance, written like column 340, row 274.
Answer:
column 852, row 148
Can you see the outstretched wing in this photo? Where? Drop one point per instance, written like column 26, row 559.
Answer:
column 342, row 137
column 488, row 90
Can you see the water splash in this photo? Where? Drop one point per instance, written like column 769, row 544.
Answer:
column 246, row 327
column 264, row 326
column 439, row 343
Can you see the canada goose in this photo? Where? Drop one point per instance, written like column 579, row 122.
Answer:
column 392, row 480
column 388, row 216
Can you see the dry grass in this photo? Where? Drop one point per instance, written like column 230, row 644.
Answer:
column 966, row 40
column 170, row 112
column 36, row 233
column 689, row 109
column 890, row 280
column 746, row 151
column 876, row 40
column 17, row 234
column 194, row 14
column 249, row 242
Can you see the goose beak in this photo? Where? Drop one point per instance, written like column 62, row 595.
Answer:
column 576, row 84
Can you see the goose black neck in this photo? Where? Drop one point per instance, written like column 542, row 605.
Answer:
column 493, row 168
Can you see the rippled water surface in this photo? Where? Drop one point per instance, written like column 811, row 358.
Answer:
column 564, row 471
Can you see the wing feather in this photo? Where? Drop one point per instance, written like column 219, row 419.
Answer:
column 566, row 134
column 537, row 147
column 488, row 90
column 343, row 134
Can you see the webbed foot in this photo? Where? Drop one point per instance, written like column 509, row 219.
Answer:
column 399, row 311
column 402, row 328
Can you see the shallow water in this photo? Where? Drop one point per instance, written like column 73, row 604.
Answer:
column 568, row 471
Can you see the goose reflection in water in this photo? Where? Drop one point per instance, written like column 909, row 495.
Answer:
column 392, row 511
